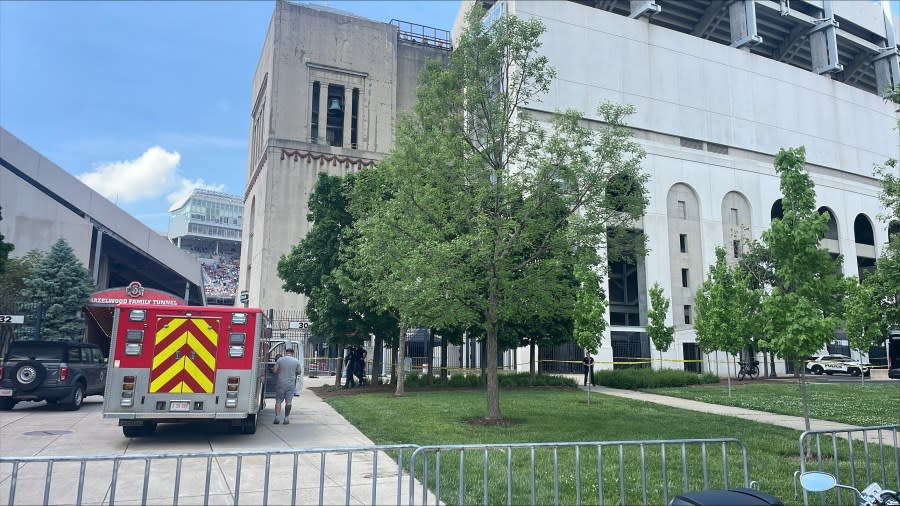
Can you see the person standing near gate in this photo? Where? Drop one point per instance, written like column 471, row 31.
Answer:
column 349, row 367
column 588, row 364
column 360, row 361
column 286, row 370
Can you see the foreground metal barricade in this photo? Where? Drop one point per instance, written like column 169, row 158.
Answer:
column 370, row 475
column 606, row 472
column 856, row 457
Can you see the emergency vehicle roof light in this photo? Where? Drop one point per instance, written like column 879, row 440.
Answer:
column 137, row 315
column 238, row 318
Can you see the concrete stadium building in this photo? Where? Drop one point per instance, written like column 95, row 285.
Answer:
column 326, row 91
column 41, row 203
column 719, row 88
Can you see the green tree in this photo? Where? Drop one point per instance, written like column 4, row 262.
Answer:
column 661, row 334
column 885, row 280
column 63, row 286
column 589, row 313
column 5, row 248
column 727, row 309
column 801, row 309
column 464, row 238
column 12, row 282
column 313, row 269
column 864, row 321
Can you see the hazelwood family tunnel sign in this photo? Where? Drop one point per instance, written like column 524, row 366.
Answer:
column 134, row 293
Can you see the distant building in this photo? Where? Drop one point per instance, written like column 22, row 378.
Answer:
column 327, row 89
column 208, row 224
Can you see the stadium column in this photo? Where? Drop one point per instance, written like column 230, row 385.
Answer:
column 823, row 43
column 742, row 16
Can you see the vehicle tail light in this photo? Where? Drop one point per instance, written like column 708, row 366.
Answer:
column 63, row 373
column 127, row 391
column 232, row 391
column 1, row 372
column 236, row 344
column 133, row 340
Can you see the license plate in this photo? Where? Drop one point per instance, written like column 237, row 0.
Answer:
column 179, row 405
column 5, row 392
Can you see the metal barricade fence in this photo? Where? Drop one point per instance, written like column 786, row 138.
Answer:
column 608, row 472
column 370, row 475
column 856, row 457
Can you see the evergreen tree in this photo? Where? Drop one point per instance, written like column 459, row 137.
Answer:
column 63, row 286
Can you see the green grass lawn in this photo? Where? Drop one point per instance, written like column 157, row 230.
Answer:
column 564, row 415
column 863, row 405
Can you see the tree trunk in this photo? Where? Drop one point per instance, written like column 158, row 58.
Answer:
column 765, row 363
column 772, row 368
column 443, row 358
column 531, row 365
column 430, row 357
column 805, row 401
column 340, row 366
column 493, row 381
column 377, row 359
column 728, row 373
column 394, row 366
column 401, row 358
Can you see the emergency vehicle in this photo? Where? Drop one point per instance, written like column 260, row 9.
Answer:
column 179, row 363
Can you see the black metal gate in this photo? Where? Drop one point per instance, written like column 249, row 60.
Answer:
column 692, row 359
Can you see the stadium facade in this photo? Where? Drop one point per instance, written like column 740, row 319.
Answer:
column 325, row 94
column 208, row 223
column 719, row 87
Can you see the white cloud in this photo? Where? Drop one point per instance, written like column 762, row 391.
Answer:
column 187, row 186
column 152, row 175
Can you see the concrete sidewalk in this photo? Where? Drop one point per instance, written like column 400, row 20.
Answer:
column 333, row 476
column 787, row 421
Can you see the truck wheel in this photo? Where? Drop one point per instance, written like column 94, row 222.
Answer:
column 248, row 426
column 855, row 372
column 817, row 369
column 76, row 398
column 132, row 431
column 139, row 430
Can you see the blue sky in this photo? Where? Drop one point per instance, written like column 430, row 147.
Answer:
column 146, row 100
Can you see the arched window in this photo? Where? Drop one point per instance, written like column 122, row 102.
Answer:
column 832, row 232
column 777, row 211
column 622, row 194
column 862, row 230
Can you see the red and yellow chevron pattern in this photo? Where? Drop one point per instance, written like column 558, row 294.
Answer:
column 184, row 359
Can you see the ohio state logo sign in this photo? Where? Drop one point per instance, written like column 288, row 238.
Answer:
column 134, row 290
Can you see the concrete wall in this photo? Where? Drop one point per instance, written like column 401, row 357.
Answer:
column 687, row 87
